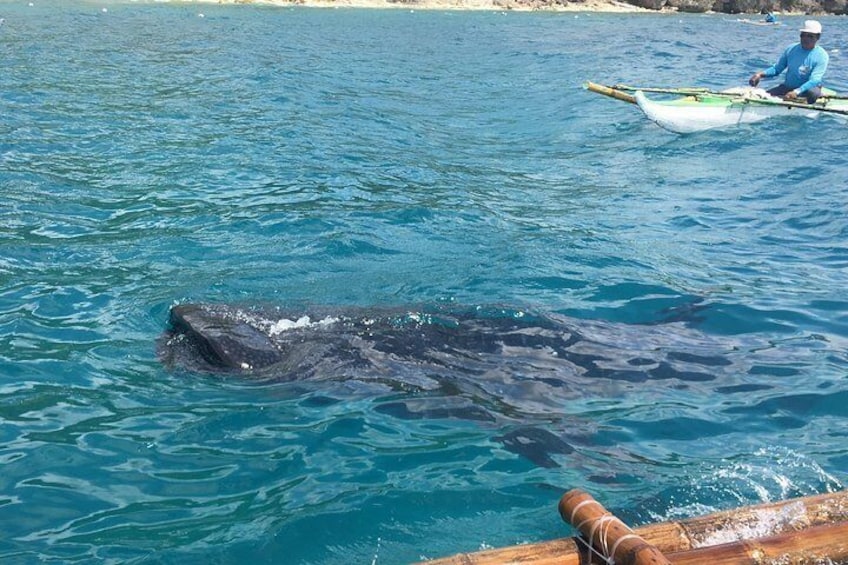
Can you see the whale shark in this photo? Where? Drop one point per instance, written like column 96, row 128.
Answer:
column 291, row 344
column 507, row 367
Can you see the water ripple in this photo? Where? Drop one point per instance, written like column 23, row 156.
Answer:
column 355, row 158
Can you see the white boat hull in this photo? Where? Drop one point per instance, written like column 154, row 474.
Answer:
column 693, row 117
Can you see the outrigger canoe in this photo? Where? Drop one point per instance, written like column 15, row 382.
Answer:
column 698, row 109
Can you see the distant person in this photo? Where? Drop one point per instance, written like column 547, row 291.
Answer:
column 805, row 64
column 771, row 18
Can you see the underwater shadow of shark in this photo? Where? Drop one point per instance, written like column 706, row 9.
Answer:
column 485, row 364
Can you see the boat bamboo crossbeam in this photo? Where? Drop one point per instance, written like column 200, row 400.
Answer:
column 698, row 90
column 799, row 531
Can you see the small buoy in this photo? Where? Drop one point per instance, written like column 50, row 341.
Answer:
column 105, row 10
column 200, row 15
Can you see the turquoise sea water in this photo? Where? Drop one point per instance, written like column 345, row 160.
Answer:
column 154, row 154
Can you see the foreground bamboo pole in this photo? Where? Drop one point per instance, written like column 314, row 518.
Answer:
column 673, row 538
column 608, row 535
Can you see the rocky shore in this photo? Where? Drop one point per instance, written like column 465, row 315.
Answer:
column 800, row 7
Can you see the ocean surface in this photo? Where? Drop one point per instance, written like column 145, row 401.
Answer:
column 421, row 163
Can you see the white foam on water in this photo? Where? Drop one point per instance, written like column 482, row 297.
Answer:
column 763, row 523
column 284, row 325
column 770, row 474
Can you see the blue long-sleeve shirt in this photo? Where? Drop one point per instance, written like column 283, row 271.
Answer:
column 804, row 69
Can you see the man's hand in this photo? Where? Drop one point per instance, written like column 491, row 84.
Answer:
column 790, row 95
column 755, row 78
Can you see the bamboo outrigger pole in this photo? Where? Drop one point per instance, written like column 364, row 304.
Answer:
column 611, row 92
column 809, row 522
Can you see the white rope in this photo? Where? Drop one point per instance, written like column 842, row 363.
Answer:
column 583, row 523
column 579, row 527
column 591, row 549
column 602, row 535
column 580, row 505
column 602, row 526
column 621, row 539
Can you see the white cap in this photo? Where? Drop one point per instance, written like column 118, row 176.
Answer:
column 811, row 26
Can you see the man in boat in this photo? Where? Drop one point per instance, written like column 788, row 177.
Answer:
column 770, row 18
column 805, row 64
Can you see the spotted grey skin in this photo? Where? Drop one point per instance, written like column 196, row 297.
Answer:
column 361, row 343
column 503, row 367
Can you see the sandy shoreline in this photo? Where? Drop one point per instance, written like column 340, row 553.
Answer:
column 494, row 5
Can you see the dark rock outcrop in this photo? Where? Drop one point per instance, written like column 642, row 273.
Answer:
column 839, row 7
column 649, row 4
column 692, row 6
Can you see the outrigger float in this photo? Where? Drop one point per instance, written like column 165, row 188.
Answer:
column 801, row 531
column 697, row 109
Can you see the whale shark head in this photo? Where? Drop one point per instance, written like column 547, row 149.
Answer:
column 228, row 339
column 221, row 339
